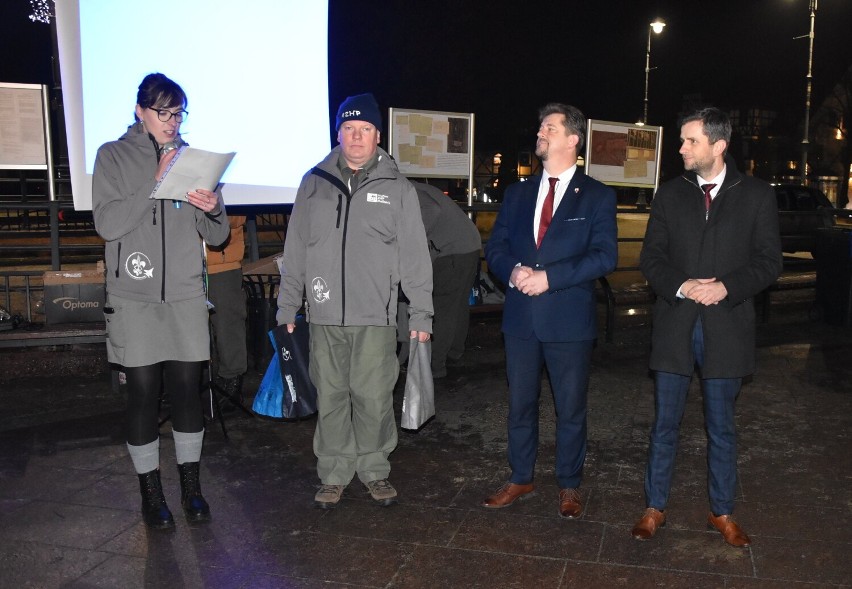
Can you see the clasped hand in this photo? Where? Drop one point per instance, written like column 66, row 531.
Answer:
column 704, row 291
column 530, row 282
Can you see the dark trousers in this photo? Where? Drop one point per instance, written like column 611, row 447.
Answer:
column 568, row 368
column 670, row 394
column 225, row 291
column 452, row 279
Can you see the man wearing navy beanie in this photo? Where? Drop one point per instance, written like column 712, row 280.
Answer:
column 355, row 236
column 362, row 107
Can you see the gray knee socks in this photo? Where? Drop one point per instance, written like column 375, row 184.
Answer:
column 188, row 446
column 146, row 457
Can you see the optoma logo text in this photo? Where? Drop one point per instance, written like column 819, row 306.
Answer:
column 72, row 304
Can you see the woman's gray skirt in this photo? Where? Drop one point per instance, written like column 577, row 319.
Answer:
column 141, row 334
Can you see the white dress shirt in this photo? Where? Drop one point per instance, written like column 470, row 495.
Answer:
column 544, row 186
column 718, row 180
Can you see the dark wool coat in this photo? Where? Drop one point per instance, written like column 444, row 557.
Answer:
column 738, row 244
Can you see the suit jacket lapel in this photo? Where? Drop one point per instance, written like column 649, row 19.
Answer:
column 574, row 191
column 569, row 198
column 527, row 222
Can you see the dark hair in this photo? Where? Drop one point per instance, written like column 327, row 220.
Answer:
column 717, row 125
column 574, row 122
column 158, row 91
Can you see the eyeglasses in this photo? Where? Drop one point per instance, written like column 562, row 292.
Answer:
column 166, row 115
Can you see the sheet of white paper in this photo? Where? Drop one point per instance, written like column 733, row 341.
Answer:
column 192, row 169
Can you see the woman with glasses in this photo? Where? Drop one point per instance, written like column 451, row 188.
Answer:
column 156, row 311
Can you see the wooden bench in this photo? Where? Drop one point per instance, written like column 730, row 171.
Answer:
column 24, row 354
column 633, row 295
column 53, row 335
column 486, row 309
column 786, row 282
column 641, row 294
column 636, row 294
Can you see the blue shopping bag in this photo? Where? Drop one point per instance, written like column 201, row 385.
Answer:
column 286, row 391
column 269, row 398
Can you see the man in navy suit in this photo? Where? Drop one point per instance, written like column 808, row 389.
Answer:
column 554, row 236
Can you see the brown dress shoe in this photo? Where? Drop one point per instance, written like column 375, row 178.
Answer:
column 731, row 532
column 570, row 504
column 506, row 495
column 647, row 526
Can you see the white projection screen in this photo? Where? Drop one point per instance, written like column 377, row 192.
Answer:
column 255, row 74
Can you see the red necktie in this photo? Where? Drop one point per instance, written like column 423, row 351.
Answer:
column 707, row 198
column 546, row 211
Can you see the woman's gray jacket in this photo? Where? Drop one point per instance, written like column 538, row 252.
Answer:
column 153, row 248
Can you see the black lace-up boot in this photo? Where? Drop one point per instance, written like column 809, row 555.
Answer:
column 194, row 505
column 155, row 512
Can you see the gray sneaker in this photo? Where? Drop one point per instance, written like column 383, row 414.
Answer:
column 382, row 492
column 328, row 496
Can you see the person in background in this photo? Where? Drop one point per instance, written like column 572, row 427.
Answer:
column 454, row 245
column 156, row 309
column 554, row 236
column 355, row 235
column 711, row 245
column 228, row 319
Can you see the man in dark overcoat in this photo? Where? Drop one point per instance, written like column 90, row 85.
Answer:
column 711, row 245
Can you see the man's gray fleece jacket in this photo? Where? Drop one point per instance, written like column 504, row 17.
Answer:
column 350, row 252
column 153, row 250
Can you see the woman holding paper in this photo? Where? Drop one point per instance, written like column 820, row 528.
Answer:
column 156, row 312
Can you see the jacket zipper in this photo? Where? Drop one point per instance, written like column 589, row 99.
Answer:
column 343, row 188
column 343, row 261
column 707, row 218
column 163, row 252
column 387, row 304
column 159, row 154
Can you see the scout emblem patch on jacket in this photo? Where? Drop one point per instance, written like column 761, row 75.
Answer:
column 138, row 266
column 320, row 290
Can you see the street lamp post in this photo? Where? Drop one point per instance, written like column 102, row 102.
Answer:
column 655, row 27
column 805, row 141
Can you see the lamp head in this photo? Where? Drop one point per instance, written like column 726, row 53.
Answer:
column 657, row 26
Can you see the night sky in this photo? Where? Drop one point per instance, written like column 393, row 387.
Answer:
column 502, row 60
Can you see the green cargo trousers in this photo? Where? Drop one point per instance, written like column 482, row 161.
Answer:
column 355, row 370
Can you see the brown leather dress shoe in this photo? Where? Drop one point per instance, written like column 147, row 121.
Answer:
column 731, row 532
column 570, row 503
column 648, row 524
column 506, row 495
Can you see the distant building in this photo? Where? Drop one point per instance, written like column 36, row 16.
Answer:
column 830, row 139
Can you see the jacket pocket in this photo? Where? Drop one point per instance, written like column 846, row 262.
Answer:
column 115, row 327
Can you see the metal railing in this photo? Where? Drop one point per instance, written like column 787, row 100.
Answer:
column 25, row 288
column 41, row 221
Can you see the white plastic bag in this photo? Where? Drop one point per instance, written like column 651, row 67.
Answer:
column 418, row 404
